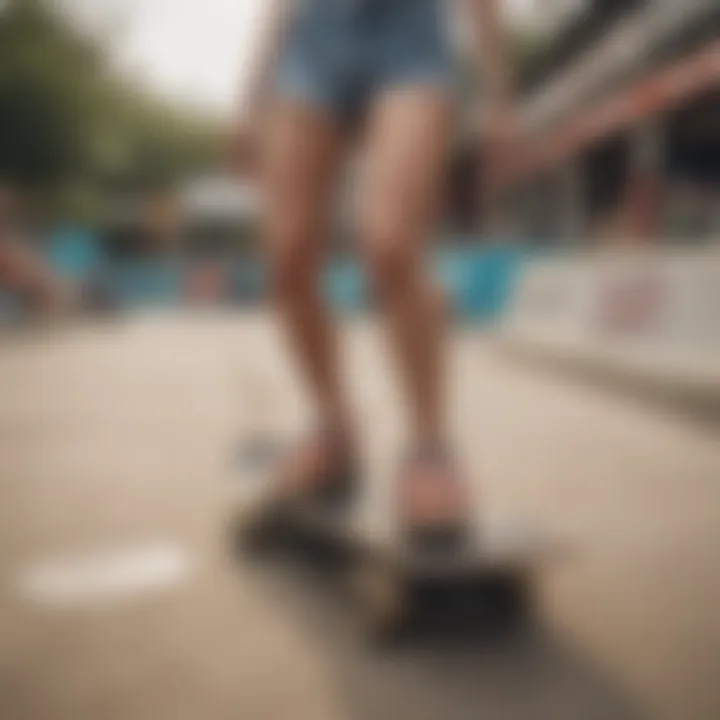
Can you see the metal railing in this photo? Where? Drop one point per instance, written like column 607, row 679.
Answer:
column 613, row 59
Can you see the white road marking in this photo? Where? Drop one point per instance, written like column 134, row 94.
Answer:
column 105, row 576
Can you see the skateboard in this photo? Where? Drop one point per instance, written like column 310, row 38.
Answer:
column 480, row 586
column 484, row 585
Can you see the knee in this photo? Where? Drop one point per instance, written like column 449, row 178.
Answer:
column 392, row 263
column 292, row 262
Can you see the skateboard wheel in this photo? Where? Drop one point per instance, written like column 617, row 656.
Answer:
column 260, row 532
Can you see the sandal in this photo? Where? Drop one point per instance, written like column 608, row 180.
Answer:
column 320, row 470
column 433, row 500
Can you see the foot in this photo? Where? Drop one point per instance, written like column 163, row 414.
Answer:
column 320, row 469
column 433, row 498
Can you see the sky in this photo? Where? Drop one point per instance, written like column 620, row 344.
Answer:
column 195, row 51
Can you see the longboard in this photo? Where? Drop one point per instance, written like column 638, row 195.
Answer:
column 485, row 585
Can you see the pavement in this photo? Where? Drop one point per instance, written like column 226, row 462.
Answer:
column 684, row 377
column 120, row 596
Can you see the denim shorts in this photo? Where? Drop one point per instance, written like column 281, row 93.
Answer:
column 340, row 54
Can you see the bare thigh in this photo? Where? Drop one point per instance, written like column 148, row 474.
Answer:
column 301, row 159
column 403, row 169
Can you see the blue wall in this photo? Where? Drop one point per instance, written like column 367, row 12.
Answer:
column 74, row 252
column 479, row 278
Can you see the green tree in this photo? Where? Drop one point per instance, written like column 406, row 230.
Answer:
column 47, row 73
column 71, row 129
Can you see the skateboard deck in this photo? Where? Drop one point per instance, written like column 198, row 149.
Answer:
column 485, row 584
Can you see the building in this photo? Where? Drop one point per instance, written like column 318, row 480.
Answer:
column 619, row 124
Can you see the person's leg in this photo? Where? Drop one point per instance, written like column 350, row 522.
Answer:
column 408, row 134
column 304, row 147
column 406, row 147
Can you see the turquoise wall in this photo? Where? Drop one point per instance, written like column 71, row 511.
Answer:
column 479, row 279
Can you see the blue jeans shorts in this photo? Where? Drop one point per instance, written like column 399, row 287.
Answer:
column 340, row 54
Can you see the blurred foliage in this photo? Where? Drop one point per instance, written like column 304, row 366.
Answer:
column 526, row 44
column 72, row 129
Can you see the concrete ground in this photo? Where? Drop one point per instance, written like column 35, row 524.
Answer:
column 119, row 597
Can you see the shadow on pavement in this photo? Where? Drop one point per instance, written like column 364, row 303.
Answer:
column 527, row 676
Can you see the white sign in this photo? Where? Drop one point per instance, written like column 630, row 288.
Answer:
column 658, row 309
